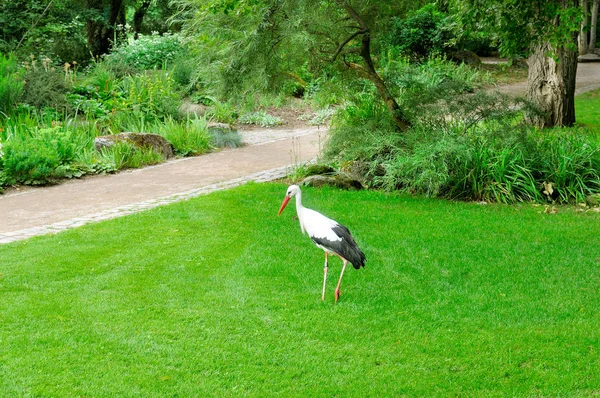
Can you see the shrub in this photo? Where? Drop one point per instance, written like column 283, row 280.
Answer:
column 11, row 84
column 519, row 165
column 462, row 145
column 422, row 33
column 152, row 95
column 30, row 162
column 45, row 86
column 147, row 52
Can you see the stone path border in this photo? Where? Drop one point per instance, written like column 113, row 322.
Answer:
column 263, row 176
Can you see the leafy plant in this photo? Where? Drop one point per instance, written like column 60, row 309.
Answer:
column 152, row 95
column 260, row 118
column 189, row 137
column 45, row 86
column 220, row 111
column 11, row 83
column 30, row 162
column 420, row 34
column 147, row 52
column 123, row 155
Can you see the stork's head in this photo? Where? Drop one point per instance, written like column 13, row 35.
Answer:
column 292, row 190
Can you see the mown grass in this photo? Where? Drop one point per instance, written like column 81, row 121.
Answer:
column 587, row 110
column 218, row 296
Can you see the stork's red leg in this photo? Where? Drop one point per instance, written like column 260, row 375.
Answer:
column 324, row 276
column 337, row 289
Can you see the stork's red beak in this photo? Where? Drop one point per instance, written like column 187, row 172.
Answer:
column 285, row 202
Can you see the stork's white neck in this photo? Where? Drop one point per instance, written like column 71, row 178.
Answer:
column 299, row 209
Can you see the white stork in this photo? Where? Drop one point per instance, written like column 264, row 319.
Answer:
column 328, row 235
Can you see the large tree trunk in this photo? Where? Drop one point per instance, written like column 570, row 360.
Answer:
column 583, row 32
column 102, row 33
column 138, row 18
column 594, row 24
column 551, row 85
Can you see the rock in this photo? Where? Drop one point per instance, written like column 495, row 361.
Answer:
column 465, row 57
column 315, row 169
column 219, row 128
column 362, row 172
column 140, row 140
column 190, row 109
column 593, row 200
column 337, row 181
column 589, row 58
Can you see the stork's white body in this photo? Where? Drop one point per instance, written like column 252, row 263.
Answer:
column 327, row 235
column 316, row 225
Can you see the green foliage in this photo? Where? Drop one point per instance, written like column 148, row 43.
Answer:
column 152, row 95
column 518, row 166
column 147, row 52
column 222, row 112
column 11, row 83
column 260, row 118
column 119, row 102
column 123, row 155
column 462, row 145
column 189, row 137
column 518, row 25
column 55, row 29
column 45, row 86
column 34, row 161
column 183, row 71
column 421, row 33
column 230, row 139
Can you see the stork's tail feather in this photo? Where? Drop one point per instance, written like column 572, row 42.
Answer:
column 358, row 259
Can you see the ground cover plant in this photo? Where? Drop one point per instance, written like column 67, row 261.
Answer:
column 217, row 296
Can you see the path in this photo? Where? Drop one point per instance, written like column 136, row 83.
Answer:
column 588, row 79
column 270, row 154
column 37, row 211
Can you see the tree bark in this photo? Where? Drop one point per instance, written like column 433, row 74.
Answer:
column 594, row 24
column 583, row 32
column 551, row 85
column 138, row 18
column 101, row 33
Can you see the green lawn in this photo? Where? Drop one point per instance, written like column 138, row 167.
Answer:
column 587, row 110
column 220, row 297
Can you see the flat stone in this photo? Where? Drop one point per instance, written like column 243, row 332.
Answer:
column 589, row 58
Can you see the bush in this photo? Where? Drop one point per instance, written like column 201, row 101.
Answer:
column 11, row 83
column 152, row 95
column 147, row 52
column 30, row 162
column 422, row 33
column 560, row 168
column 462, row 145
column 45, row 86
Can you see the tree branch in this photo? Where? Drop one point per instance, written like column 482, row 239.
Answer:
column 345, row 42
